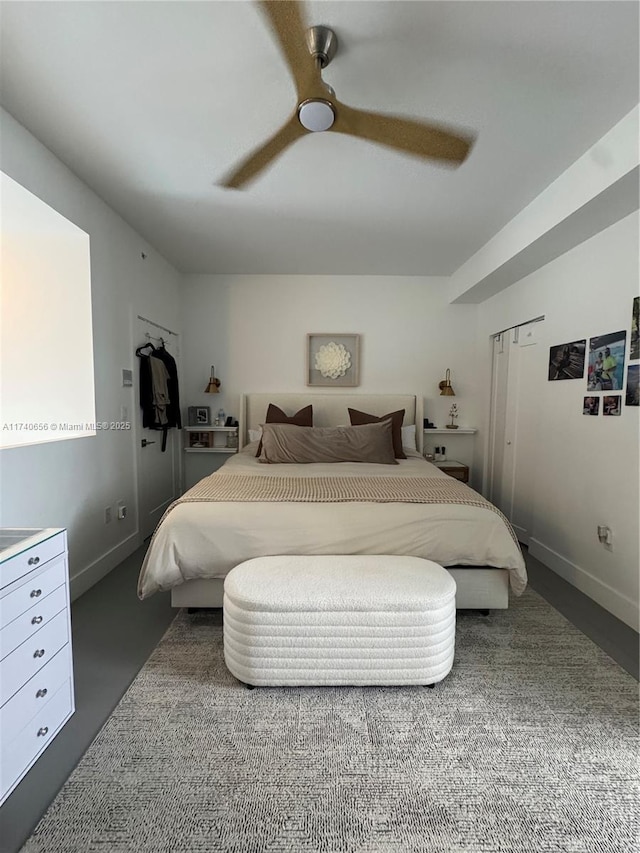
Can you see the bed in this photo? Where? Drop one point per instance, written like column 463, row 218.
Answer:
column 250, row 509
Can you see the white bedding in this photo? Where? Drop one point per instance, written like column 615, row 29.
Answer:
column 207, row 539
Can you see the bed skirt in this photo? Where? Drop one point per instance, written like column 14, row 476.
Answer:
column 479, row 588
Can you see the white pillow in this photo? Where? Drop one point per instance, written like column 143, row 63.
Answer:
column 409, row 437
column 255, row 434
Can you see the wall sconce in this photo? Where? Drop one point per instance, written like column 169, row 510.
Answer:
column 214, row 384
column 445, row 386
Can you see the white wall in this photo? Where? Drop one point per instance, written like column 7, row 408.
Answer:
column 68, row 484
column 253, row 329
column 587, row 467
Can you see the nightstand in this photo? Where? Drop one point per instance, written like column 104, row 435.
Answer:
column 206, row 448
column 454, row 469
column 211, row 439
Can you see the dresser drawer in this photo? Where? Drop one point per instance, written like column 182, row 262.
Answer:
column 19, row 666
column 33, row 589
column 32, row 558
column 32, row 620
column 35, row 694
column 18, row 755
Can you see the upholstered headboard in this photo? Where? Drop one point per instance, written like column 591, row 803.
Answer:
column 329, row 409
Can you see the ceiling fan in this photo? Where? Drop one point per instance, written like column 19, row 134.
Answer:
column 307, row 52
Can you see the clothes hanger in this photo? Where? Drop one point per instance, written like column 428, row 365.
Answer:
column 143, row 347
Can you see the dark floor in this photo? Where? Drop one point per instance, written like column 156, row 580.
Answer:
column 114, row 634
column 614, row 637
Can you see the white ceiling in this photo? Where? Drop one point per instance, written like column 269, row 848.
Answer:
column 151, row 103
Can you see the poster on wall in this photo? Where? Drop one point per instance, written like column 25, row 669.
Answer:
column 612, row 405
column 591, row 405
column 634, row 345
column 633, row 391
column 606, row 362
column 566, row 361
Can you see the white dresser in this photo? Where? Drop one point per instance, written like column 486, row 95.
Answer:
column 36, row 666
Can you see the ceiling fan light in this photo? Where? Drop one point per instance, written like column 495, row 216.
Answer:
column 316, row 115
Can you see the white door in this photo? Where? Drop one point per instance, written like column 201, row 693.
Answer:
column 497, row 441
column 514, row 412
column 158, row 472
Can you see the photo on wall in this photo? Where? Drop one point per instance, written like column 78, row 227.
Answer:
column 632, row 397
column 634, row 344
column 606, row 362
column 612, row 405
column 591, row 406
column 566, row 361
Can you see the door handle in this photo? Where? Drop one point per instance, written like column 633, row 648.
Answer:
column 508, row 442
column 144, row 442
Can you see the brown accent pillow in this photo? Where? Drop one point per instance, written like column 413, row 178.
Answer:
column 275, row 415
column 396, row 426
column 286, row 443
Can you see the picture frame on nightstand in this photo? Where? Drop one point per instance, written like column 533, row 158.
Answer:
column 199, row 416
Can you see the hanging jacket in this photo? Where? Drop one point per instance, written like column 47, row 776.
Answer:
column 160, row 391
column 173, row 406
column 146, row 392
column 159, row 397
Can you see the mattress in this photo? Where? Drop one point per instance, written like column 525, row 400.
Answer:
column 206, row 539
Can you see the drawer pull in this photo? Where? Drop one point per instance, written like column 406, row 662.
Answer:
column 42, row 732
column 33, row 561
column 36, row 593
column 38, row 653
column 36, row 620
column 42, row 692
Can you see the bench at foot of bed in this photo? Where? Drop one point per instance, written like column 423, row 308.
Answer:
column 339, row 620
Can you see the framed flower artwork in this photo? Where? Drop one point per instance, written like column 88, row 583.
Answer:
column 333, row 359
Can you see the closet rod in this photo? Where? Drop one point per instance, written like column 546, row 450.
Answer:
column 157, row 325
column 518, row 325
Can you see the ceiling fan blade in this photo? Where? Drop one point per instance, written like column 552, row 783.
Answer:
column 262, row 156
column 287, row 22
column 413, row 137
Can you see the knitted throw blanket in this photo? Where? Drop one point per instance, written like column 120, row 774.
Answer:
column 242, row 489
column 234, row 487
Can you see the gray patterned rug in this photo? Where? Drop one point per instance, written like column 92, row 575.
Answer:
column 530, row 744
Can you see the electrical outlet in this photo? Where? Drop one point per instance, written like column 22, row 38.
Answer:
column 605, row 536
column 107, row 515
column 122, row 511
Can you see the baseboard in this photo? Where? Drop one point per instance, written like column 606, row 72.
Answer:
column 619, row 605
column 522, row 534
column 91, row 574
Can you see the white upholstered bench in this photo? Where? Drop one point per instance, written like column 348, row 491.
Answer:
column 339, row 620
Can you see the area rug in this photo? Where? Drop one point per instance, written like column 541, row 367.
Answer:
column 530, row 744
